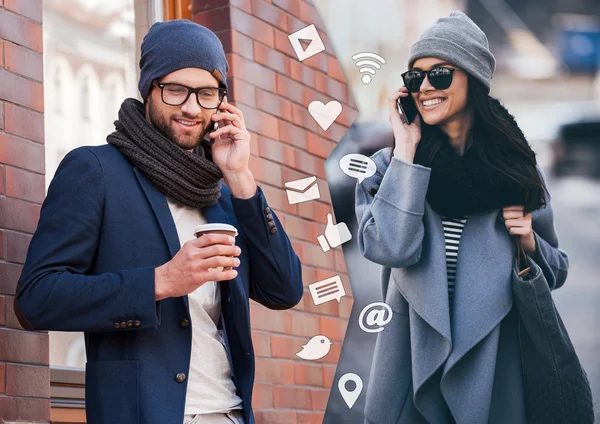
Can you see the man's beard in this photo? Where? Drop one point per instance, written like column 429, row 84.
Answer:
column 161, row 123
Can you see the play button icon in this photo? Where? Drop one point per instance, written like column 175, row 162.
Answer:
column 306, row 42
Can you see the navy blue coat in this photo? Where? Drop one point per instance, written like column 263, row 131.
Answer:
column 104, row 228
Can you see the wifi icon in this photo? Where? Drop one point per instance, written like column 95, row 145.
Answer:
column 368, row 65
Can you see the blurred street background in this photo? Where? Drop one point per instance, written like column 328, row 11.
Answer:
column 548, row 62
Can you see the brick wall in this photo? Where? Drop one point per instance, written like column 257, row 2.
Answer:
column 24, row 372
column 273, row 90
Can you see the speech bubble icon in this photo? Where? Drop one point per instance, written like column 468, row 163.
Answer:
column 357, row 166
column 326, row 290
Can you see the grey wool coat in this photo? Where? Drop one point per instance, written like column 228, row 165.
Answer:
column 432, row 364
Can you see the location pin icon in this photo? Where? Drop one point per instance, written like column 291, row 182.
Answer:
column 350, row 396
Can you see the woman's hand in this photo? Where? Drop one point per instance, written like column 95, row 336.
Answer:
column 407, row 137
column 519, row 224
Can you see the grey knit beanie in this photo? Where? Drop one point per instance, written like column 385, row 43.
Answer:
column 458, row 40
column 173, row 45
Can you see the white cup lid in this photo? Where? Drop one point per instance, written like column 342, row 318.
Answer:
column 215, row 227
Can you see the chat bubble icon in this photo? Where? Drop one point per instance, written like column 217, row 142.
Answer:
column 326, row 290
column 357, row 166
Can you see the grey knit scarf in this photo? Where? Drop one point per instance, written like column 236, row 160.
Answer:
column 190, row 178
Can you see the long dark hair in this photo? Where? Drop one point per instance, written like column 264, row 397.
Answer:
column 501, row 144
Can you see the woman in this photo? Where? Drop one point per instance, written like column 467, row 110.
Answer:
column 441, row 215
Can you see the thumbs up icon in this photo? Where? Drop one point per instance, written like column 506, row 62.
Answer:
column 335, row 235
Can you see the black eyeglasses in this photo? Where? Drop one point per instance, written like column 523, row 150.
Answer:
column 439, row 77
column 174, row 94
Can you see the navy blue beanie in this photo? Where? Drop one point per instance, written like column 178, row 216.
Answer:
column 173, row 45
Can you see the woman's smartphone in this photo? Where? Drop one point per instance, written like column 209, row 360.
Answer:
column 407, row 109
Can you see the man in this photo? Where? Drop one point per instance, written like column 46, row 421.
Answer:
column 166, row 324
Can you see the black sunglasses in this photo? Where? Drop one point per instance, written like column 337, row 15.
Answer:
column 439, row 77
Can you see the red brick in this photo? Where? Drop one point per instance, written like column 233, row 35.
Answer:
column 274, row 371
column 242, row 4
column 290, row 6
column 270, row 58
column 24, row 347
column 321, row 83
column 309, row 275
column 291, row 397
column 2, row 323
column 276, row 151
column 335, row 328
column 1, row 103
column 269, row 13
column 275, row 417
column 11, row 319
column 25, row 185
column 273, row 104
column 27, row 380
column 318, row 62
column 345, row 306
column 294, row 135
column 308, row 13
column 262, row 396
column 308, row 374
column 1, row 53
column 266, row 171
column 252, row 72
column 241, row 91
column 318, row 399
column 23, row 61
column 312, row 165
column 2, row 237
column 272, row 321
column 22, row 91
column 242, row 45
column 337, row 90
column 24, row 122
column 327, row 308
column 318, row 145
column 22, row 153
column 304, row 325
column 278, row 200
column 30, row 410
column 17, row 245
column 328, row 375
column 204, row 5
column 313, row 210
column 262, row 344
column 29, row 9
column 20, row 30
column 260, row 122
column 334, row 69
column 313, row 256
column 214, row 19
column 347, row 116
column 290, row 89
column 310, row 417
column 9, row 275
column 340, row 261
column 303, row 118
column 2, row 377
column 299, row 228
column 301, row 73
column 285, row 346
column 252, row 27
column 18, row 215
column 254, row 143
column 2, row 181
column 282, row 44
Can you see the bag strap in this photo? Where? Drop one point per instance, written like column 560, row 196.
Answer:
column 521, row 259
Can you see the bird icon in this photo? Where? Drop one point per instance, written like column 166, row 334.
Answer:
column 316, row 348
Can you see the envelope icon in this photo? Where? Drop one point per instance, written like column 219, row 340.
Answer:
column 302, row 190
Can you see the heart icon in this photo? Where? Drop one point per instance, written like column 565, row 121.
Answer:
column 325, row 114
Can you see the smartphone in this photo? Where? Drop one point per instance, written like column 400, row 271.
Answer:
column 407, row 109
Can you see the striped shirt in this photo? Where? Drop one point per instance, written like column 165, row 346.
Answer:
column 453, row 228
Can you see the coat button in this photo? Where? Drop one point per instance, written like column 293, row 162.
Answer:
column 117, row 325
column 267, row 210
column 273, row 230
column 137, row 323
column 123, row 324
column 184, row 323
column 180, row 377
column 269, row 217
column 130, row 323
column 271, row 224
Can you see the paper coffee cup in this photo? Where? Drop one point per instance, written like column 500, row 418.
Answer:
column 216, row 228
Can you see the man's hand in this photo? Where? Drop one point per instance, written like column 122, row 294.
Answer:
column 231, row 150
column 519, row 224
column 189, row 268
